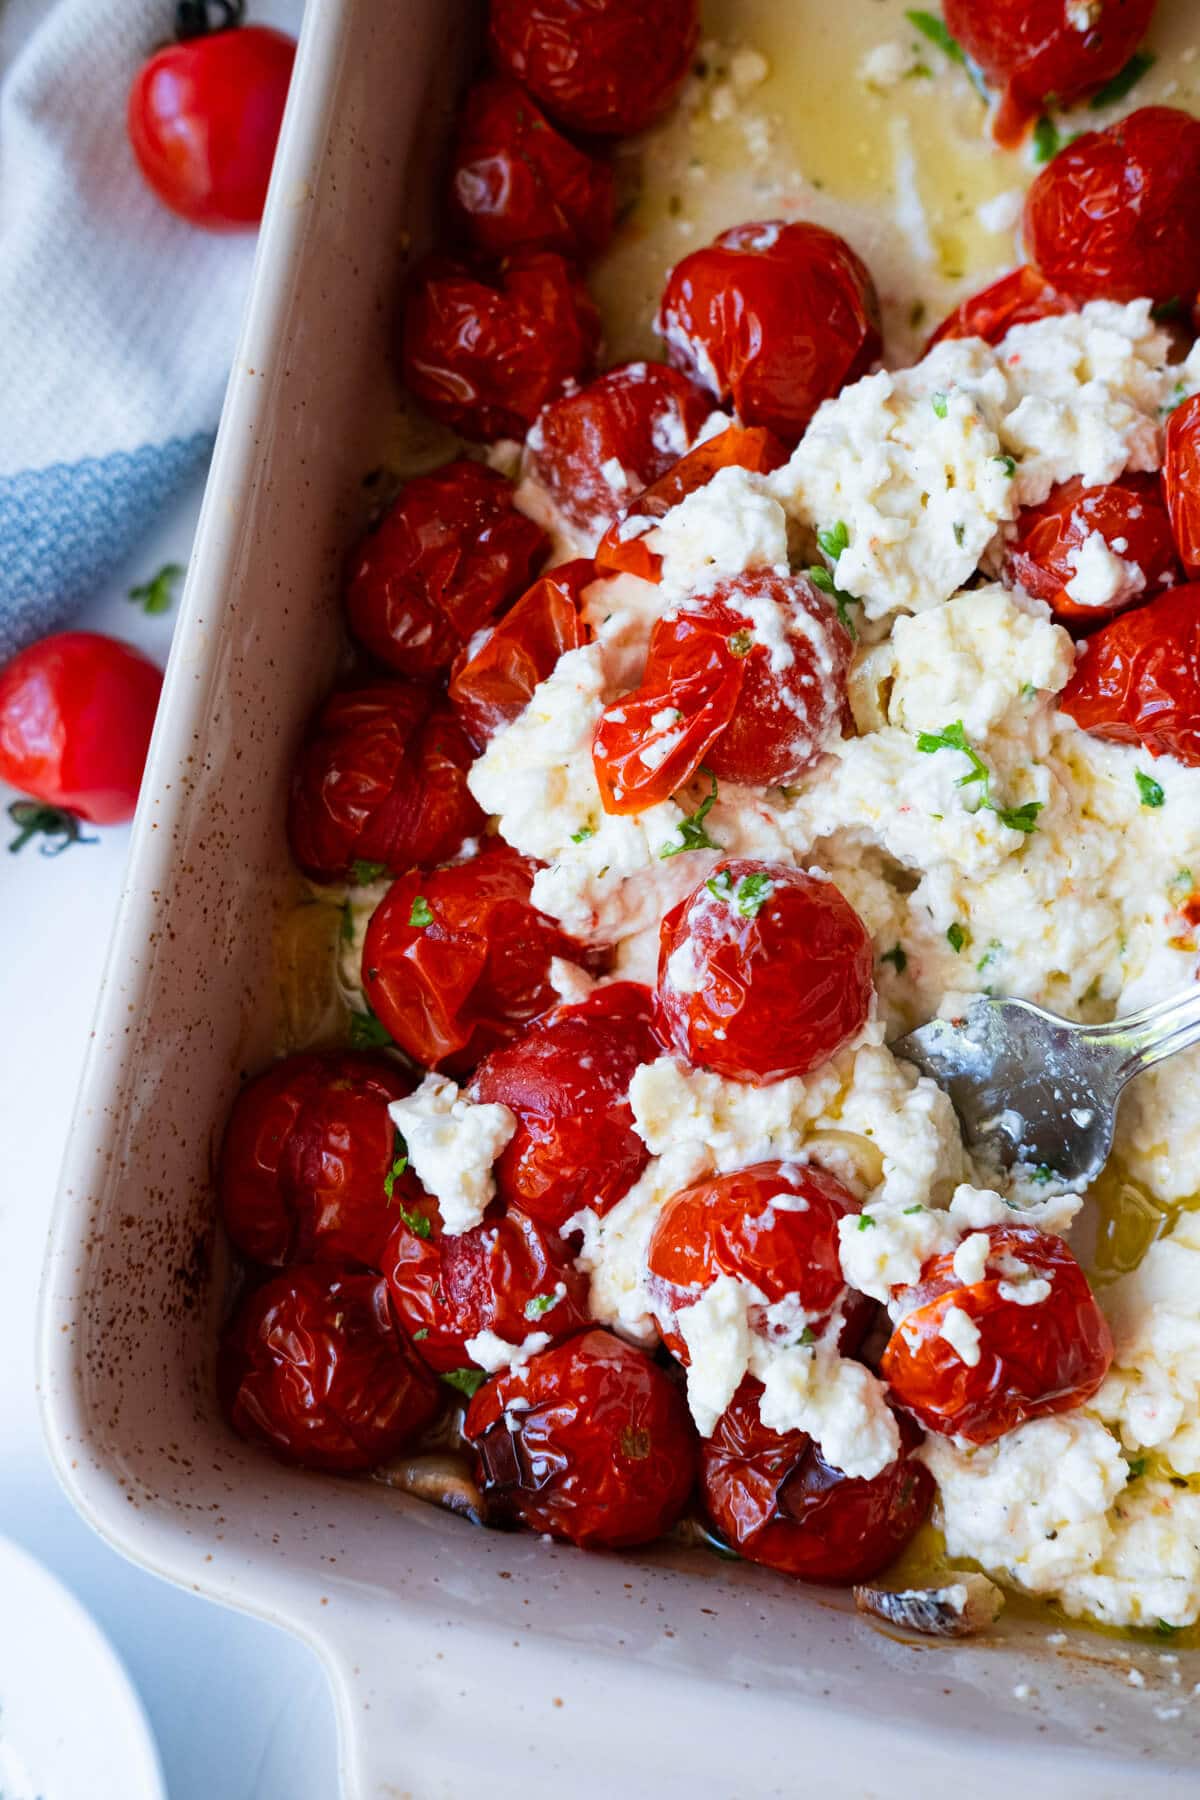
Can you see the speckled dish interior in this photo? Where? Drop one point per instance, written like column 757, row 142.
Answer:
column 461, row 1659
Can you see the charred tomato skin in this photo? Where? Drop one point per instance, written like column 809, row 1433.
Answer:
column 1138, row 679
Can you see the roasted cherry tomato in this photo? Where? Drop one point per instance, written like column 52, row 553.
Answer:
column 494, row 676
column 1039, row 53
column 314, row 1368
column 749, row 681
column 776, row 1500
column 594, row 449
column 308, row 1166
column 204, row 118
column 381, row 779
column 628, row 544
column 1112, row 217
column 484, row 355
column 1138, row 679
column 774, row 318
column 763, row 972
column 1181, row 482
column 449, row 554
column 607, row 67
column 590, row 1441
column 517, row 184
column 76, row 713
column 1054, row 541
column 457, row 961
column 567, row 1081
column 1019, row 298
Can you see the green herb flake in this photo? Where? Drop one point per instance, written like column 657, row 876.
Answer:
column 157, row 595
column 990, row 954
column 956, row 937
column 960, row 532
column 540, row 1305
column 933, row 26
column 835, row 540
column 466, row 1381
column 1139, row 64
column 347, row 922
column 753, row 892
column 1019, row 818
column 909, row 1210
column 807, row 1336
column 367, row 1032
column 1137, row 1466
column 690, row 833
column 362, row 874
column 720, row 885
column 953, row 737
column 941, row 405
column 1163, row 1630
column 1149, row 789
column 419, row 1337
column 1027, row 690
column 399, row 1164
column 865, row 1222
column 420, row 916
column 1046, row 141
column 417, row 1223
column 583, row 834
column 1008, row 464
column 820, row 577
column 897, row 957
column 1042, row 1174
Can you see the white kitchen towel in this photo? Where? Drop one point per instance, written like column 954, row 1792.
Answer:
column 117, row 320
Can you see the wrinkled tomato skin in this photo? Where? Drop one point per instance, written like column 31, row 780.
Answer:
column 494, row 676
column 1129, row 512
column 313, row 1368
column 774, row 318
column 1033, row 1360
column 478, row 973
column 602, row 1451
column 1020, row 298
column 1113, row 216
column 484, row 354
column 517, row 184
column 603, row 66
column 381, row 778
column 1181, row 482
column 449, row 554
column 307, row 1151
column 567, row 1081
column 1138, row 679
column 777, row 1502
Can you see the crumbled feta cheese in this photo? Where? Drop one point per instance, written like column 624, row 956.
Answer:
column 962, row 1334
column 885, row 65
column 487, row 1351
column 452, row 1144
column 1102, row 578
column 731, row 524
column 971, row 1257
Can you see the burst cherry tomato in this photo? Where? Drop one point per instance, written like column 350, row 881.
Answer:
column 607, row 68
column 1112, row 217
column 204, row 118
column 484, row 355
column 590, row 1441
column 1138, row 679
column 76, row 713
column 763, row 972
column 314, row 1368
column 1016, row 299
column 774, row 318
column 778, row 1502
column 449, row 554
column 567, row 1081
column 1181, row 481
column 1129, row 515
column 494, row 676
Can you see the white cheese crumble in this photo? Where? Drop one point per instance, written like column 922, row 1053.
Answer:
column 1102, row 578
column 962, row 1334
column 452, row 1143
column 487, row 1351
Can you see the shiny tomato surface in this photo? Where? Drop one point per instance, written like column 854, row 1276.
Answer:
column 1181, row 482
column 595, row 448
column 456, row 961
column 495, row 674
column 598, row 1446
column 1037, row 1358
column 76, row 713
column 307, row 1171
column 1113, row 216
column 1138, row 679
column 773, row 318
column 763, row 972
column 204, row 118
column 484, row 353
column 381, row 779
column 776, row 1501
column 518, row 184
column 567, row 1081
column 449, row 554
column 1129, row 514
column 1019, row 298
column 312, row 1367
column 604, row 66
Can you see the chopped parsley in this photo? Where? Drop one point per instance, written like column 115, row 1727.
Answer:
column 1042, row 1174
column 420, row 916
column 933, row 26
column 417, row 1223
column 1046, row 141
column 1008, row 464
column 835, row 540
column 897, row 957
column 583, row 834
column 1149, row 789
column 399, row 1164
column 865, row 1222
column 157, row 594
column 909, row 1210
column 956, row 937
column 821, row 578
column 807, row 1336
column 1163, row 1630
column 419, row 1336
column 1018, row 818
column 941, row 405
column 1137, row 1466
column 467, row 1381
column 990, row 954
column 748, row 897
column 540, row 1305
column 367, row 1032
column 960, row 532
column 953, row 737
column 362, row 874
column 1139, row 64
column 690, row 833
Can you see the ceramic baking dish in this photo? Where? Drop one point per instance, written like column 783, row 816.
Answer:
column 460, row 1658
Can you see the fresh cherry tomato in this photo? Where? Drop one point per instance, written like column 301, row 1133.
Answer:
column 1181, row 482
column 1112, row 217
column 749, row 681
column 776, row 1500
column 590, row 1441
column 517, row 184
column 1026, row 1357
column 456, row 961
column 485, row 354
column 594, row 449
column 450, row 553
column 763, row 972
column 308, row 1166
column 628, row 544
column 1039, row 53
column 774, row 318
column 567, row 1081
column 1138, row 679
column 381, row 779
column 313, row 1367
column 601, row 66
column 494, row 675
column 1128, row 514
column 1019, row 298
column 76, row 713
column 204, row 119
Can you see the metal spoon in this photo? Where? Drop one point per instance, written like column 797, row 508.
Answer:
column 1033, row 1089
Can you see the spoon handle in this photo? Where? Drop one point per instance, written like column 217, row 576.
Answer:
column 1148, row 1037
